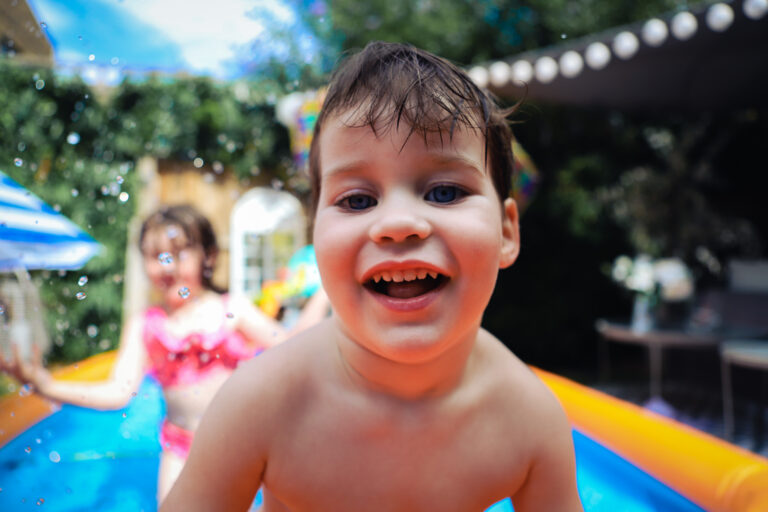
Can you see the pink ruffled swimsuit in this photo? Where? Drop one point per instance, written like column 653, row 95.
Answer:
column 181, row 361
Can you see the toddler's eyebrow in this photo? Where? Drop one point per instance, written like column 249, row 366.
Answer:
column 454, row 161
column 439, row 160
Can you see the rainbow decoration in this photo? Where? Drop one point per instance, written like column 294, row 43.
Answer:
column 299, row 279
column 525, row 178
column 298, row 112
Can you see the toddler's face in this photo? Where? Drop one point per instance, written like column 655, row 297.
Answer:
column 172, row 264
column 409, row 237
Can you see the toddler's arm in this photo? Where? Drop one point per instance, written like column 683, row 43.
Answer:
column 113, row 393
column 225, row 466
column 551, row 482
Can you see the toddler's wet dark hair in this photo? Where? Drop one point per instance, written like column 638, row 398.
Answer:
column 387, row 85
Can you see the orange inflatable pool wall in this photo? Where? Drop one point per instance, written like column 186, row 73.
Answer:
column 20, row 411
column 715, row 475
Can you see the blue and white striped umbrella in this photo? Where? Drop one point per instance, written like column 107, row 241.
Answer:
column 34, row 236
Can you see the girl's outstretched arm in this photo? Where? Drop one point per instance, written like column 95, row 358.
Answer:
column 113, row 393
column 267, row 332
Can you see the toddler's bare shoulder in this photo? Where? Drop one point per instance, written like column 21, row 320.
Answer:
column 513, row 381
column 285, row 368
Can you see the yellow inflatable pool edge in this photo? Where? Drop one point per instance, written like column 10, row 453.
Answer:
column 21, row 410
column 712, row 473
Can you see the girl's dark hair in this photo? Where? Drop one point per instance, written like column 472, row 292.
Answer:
column 387, row 84
column 197, row 230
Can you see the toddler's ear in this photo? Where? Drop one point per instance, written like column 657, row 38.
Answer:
column 510, row 232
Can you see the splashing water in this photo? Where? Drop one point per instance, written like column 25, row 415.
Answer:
column 82, row 281
column 165, row 258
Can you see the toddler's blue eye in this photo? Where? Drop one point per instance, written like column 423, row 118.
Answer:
column 358, row 202
column 444, row 194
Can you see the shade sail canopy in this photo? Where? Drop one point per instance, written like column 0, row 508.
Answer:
column 34, row 236
column 711, row 58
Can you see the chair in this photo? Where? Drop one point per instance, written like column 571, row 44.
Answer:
column 744, row 304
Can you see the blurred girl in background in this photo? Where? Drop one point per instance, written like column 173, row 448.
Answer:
column 190, row 342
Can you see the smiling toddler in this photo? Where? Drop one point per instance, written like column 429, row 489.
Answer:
column 400, row 401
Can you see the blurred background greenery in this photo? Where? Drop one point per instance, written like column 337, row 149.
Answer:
column 611, row 182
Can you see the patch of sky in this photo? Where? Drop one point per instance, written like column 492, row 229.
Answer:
column 106, row 30
column 226, row 39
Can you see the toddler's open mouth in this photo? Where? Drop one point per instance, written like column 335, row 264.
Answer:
column 405, row 284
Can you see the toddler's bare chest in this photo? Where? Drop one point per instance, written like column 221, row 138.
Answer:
column 437, row 462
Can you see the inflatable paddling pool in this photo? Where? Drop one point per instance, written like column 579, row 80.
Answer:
column 628, row 459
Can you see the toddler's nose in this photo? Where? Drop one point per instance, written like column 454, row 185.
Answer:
column 398, row 223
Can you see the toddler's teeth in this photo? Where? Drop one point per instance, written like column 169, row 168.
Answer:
column 421, row 273
column 397, row 276
column 409, row 275
column 386, row 276
column 433, row 275
column 377, row 278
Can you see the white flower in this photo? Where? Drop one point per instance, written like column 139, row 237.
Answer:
column 674, row 278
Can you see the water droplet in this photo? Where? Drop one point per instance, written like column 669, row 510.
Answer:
column 120, row 180
column 82, row 281
column 80, row 38
column 563, row 36
column 183, row 292
column 123, row 197
column 54, row 457
column 40, row 501
column 172, row 232
column 38, row 440
column 92, row 331
column 125, row 415
column 80, row 295
column 39, row 84
column 165, row 258
column 43, row 24
column 133, row 393
column 230, row 315
column 75, row 192
column 114, row 61
column 198, row 162
column 73, row 138
column 18, row 162
column 91, row 57
column 28, row 449
column 2, row 310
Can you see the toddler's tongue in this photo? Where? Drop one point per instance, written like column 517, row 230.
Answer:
column 408, row 289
